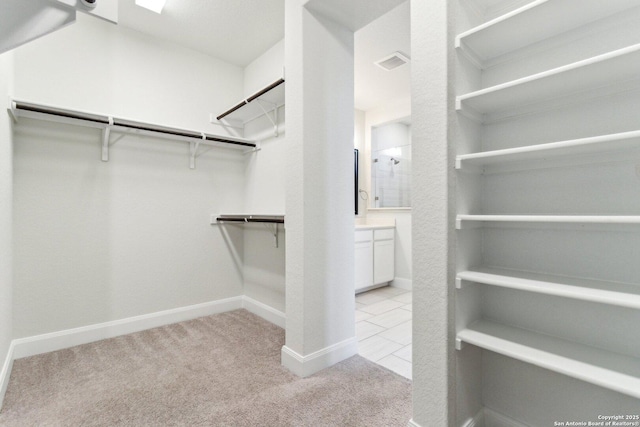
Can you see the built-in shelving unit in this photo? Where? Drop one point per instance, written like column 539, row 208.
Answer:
column 531, row 23
column 613, row 293
column 554, row 285
column 265, row 102
column 109, row 124
column 620, row 66
column 604, row 368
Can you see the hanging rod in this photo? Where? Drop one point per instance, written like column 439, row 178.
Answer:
column 250, row 99
column 31, row 110
column 274, row 219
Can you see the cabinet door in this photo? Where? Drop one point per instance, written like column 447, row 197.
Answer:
column 383, row 261
column 364, row 264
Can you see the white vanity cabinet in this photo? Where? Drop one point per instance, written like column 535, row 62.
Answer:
column 374, row 256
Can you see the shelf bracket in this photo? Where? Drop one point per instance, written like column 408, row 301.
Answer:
column 193, row 151
column 253, row 150
column 274, row 109
column 275, row 234
column 106, row 133
column 459, row 344
column 12, row 110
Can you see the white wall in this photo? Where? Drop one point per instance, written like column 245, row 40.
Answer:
column 264, row 263
column 6, row 211
column 98, row 241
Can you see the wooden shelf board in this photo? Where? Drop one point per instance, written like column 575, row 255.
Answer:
column 604, row 368
column 597, row 144
column 599, row 71
column 612, row 293
column 530, row 24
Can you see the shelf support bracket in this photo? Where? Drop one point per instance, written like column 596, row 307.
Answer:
column 459, row 344
column 253, row 150
column 275, row 234
column 106, row 133
column 274, row 109
column 193, row 151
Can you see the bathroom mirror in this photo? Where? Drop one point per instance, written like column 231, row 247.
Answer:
column 391, row 164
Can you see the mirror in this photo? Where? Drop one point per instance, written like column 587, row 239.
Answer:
column 391, row 164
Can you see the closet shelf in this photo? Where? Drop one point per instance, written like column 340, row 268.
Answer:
column 603, row 368
column 612, row 293
column 592, row 145
column 261, row 103
column 110, row 124
column 602, row 72
column 560, row 219
column 530, row 24
column 273, row 219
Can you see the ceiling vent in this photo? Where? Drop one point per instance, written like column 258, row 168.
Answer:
column 392, row 61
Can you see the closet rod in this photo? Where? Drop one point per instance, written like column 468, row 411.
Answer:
column 251, row 98
column 127, row 124
column 274, row 219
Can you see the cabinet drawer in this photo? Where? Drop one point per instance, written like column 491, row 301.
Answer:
column 364, row 235
column 384, row 234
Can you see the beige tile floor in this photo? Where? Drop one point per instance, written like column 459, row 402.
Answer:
column 383, row 327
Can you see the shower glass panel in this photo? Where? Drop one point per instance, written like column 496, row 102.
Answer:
column 391, row 165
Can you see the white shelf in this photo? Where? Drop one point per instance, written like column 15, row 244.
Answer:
column 560, row 219
column 603, row 368
column 257, row 105
column 597, row 144
column 532, row 23
column 612, row 293
column 594, row 73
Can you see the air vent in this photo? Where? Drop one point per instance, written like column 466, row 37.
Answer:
column 392, row 61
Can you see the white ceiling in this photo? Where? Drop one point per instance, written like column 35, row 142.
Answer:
column 238, row 31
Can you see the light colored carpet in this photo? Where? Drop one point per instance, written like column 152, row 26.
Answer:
column 221, row 370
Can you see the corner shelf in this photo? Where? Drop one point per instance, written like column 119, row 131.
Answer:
column 600, row 367
column 251, row 108
column 560, row 219
column 593, row 145
column 612, row 293
column 596, row 72
column 530, row 24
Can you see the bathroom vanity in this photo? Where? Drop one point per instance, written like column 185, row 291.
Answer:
column 374, row 255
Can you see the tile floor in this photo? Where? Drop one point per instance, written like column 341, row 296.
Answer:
column 383, row 327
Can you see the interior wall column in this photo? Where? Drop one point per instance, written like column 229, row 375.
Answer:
column 432, row 230
column 320, row 303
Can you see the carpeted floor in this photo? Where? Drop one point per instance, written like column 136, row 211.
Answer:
column 221, row 370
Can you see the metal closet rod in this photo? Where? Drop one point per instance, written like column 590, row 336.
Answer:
column 127, row 124
column 251, row 98
column 276, row 219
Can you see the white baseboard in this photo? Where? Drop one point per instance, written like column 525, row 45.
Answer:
column 496, row 419
column 30, row 346
column 304, row 366
column 268, row 313
column 5, row 373
column 476, row 421
column 399, row 282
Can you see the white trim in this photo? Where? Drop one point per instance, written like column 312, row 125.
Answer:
column 268, row 313
column 412, row 423
column 45, row 343
column 496, row 419
column 304, row 366
column 5, row 373
column 401, row 283
column 476, row 421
